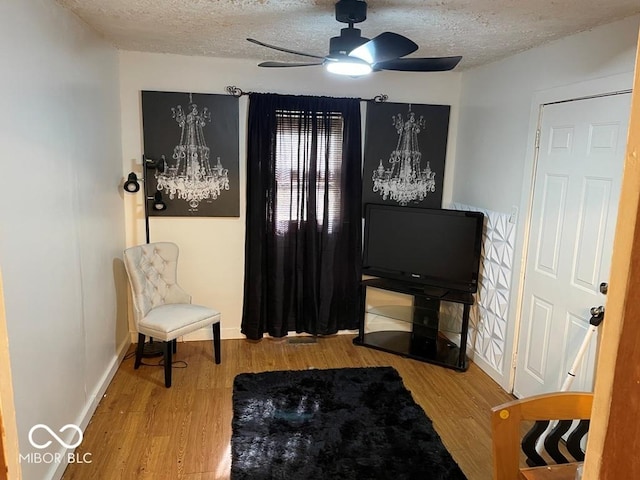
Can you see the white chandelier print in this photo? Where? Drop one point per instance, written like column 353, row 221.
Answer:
column 404, row 180
column 190, row 176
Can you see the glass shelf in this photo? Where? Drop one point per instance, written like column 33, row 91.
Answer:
column 420, row 331
column 439, row 350
column 445, row 321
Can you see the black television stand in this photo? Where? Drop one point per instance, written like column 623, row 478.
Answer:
column 434, row 292
column 422, row 339
column 427, row 290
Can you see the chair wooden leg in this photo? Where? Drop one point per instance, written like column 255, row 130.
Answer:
column 174, row 344
column 167, row 363
column 139, row 351
column 216, row 341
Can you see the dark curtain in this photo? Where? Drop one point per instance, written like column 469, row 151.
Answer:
column 302, row 272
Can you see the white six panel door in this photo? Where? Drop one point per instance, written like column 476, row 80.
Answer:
column 576, row 192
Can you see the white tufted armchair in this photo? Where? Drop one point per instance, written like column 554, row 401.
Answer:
column 162, row 309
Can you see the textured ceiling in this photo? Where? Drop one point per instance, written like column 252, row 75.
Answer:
column 479, row 30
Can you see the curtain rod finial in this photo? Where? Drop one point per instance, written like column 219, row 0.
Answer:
column 233, row 90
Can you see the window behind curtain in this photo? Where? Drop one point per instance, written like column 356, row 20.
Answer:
column 304, row 215
column 296, row 146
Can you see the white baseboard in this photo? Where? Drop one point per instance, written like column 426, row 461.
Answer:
column 234, row 334
column 490, row 370
column 207, row 334
column 227, row 334
column 92, row 402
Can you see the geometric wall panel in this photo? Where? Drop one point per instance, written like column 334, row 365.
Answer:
column 488, row 318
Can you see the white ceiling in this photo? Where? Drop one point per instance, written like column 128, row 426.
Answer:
column 479, row 30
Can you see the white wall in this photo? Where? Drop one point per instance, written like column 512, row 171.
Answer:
column 499, row 101
column 61, row 221
column 212, row 249
column 62, row 227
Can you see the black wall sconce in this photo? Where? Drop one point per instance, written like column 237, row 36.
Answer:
column 158, row 204
column 132, row 185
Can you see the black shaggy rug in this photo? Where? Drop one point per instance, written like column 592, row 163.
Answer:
column 350, row 423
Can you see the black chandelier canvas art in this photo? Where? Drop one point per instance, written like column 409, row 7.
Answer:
column 404, row 154
column 193, row 139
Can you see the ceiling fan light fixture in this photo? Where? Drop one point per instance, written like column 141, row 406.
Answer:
column 352, row 67
column 353, row 55
column 363, row 54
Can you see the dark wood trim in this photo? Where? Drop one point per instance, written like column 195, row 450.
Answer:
column 615, row 432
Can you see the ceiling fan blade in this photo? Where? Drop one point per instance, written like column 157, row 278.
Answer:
column 435, row 64
column 284, row 64
column 386, row 46
column 257, row 42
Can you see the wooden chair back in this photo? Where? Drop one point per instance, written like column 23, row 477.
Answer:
column 508, row 441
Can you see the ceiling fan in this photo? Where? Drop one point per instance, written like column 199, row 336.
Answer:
column 354, row 55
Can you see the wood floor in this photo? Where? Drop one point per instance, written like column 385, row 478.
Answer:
column 141, row 430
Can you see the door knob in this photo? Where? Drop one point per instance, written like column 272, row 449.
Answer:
column 597, row 315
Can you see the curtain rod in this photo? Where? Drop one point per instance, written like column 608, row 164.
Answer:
column 238, row 92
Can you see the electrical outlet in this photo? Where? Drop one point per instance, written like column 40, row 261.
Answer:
column 513, row 218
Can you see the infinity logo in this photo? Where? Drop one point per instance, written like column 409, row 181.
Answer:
column 53, row 434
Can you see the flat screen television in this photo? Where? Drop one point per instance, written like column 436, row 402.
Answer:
column 435, row 247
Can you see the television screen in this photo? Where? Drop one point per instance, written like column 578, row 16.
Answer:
column 434, row 247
